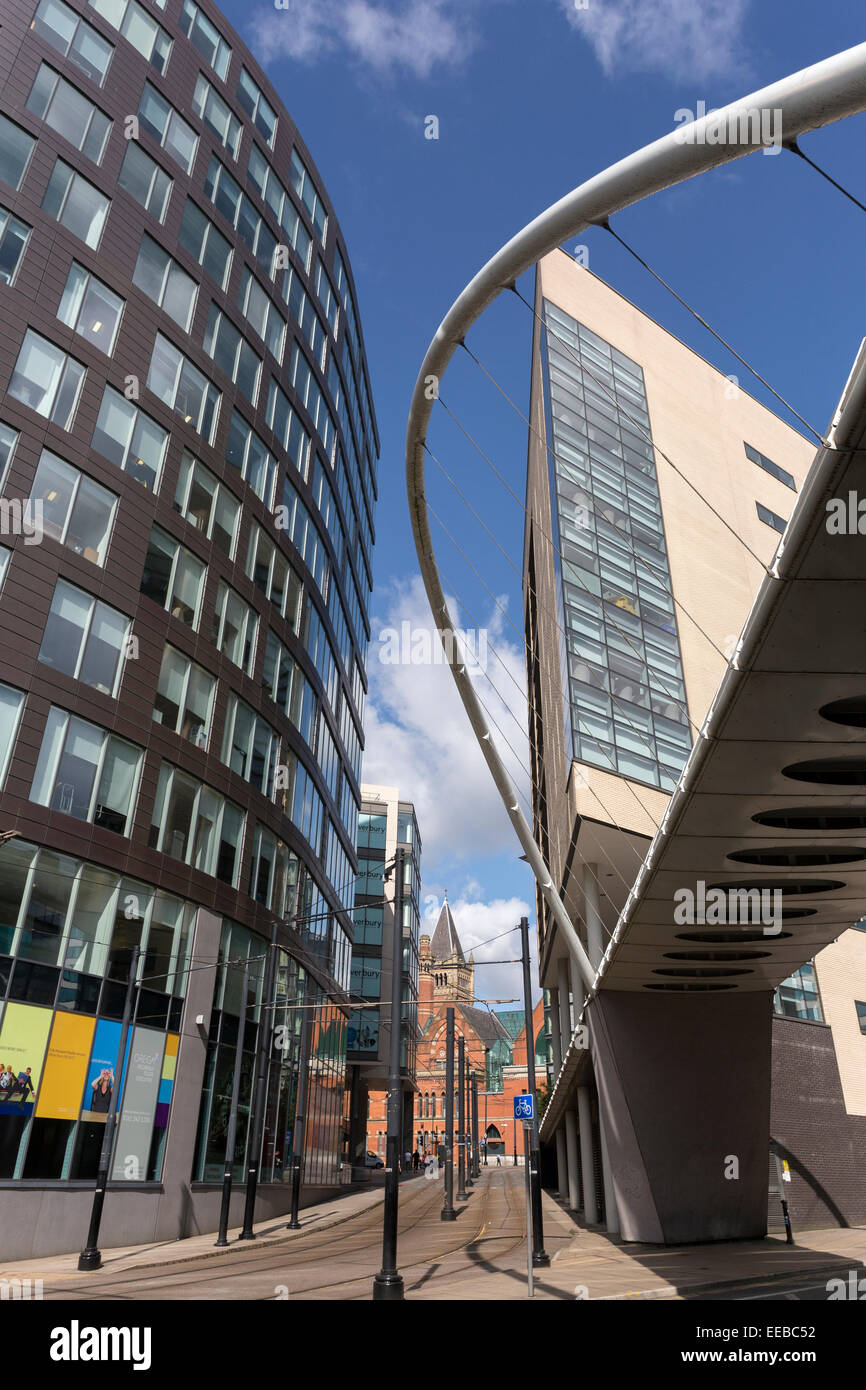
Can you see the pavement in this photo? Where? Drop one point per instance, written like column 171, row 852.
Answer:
column 485, row 1256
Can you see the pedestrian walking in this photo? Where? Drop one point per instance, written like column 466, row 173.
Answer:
column 498, row 1161
column 416, row 1161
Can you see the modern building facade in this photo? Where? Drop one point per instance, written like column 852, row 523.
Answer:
column 657, row 493
column 188, row 468
column 386, row 823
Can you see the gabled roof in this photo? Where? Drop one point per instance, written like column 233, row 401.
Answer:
column 446, row 942
column 485, row 1025
column 512, row 1020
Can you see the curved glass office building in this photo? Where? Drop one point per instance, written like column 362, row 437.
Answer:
column 188, row 470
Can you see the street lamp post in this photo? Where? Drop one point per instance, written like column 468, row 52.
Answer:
column 448, row 1212
column 90, row 1258
column 299, row 1126
column 388, row 1283
column 257, row 1119
column 462, row 1194
column 476, row 1152
column 539, row 1254
column 469, row 1164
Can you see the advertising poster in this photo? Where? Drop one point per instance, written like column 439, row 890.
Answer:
column 140, row 1091
column 166, row 1084
column 65, row 1067
column 99, row 1078
column 23, row 1039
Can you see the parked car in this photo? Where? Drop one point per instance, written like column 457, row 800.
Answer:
column 372, row 1160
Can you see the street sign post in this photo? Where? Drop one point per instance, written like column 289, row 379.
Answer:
column 527, row 1139
column 524, row 1107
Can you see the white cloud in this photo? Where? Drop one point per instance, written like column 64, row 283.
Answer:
column 419, row 738
column 481, row 922
column 678, row 38
column 383, row 35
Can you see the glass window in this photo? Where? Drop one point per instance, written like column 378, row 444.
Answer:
column 271, row 572
column 130, row 439
column 205, row 37
column 47, row 379
column 144, row 180
column 85, row 638
column 287, row 427
column 184, row 697
column 217, row 115
column 91, row 308
column 797, row 997
column 250, row 745
column 76, row 204
column 163, row 281
column 260, row 313
column 85, row 771
column 306, row 190
column 62, row 107
column 271, row 871
column 193, row 823
column 140, row 28
column 232, row 353
column 75, row 510
column 166, row 125
column 284, row 682
column 265, row 181
column 8, row 440
column 16, row 147
column 769, row 518
column 246, row 452
column 13, row 242
column 770, row 467
column 72, row 36
column 180, row 385
column 205, row 244
column 235, row 626
column 11, row 705
column 207, row 504
column 263, row 116
column 173, row 577
column 861, row 1014
column 372, row 829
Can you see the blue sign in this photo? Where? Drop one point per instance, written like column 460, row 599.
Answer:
column 524, row 1107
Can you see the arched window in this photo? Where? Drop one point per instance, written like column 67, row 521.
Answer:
column 433, row 1099
column 420, row 1105
column 443, row 1105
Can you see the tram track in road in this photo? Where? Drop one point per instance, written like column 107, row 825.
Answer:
column 207, row 1276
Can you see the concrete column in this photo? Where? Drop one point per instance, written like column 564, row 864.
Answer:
column 592, row 903
column 554, row 1031
column 587, row 1157
column 571, row 1158
column 561, row 1163
column 611, row 1210
column 565, row 1028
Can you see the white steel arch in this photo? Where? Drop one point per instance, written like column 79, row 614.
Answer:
column 816, row 96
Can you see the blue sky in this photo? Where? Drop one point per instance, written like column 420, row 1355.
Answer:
column 532, row 97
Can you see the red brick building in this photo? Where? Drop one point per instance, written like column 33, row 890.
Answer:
column 494, row 1043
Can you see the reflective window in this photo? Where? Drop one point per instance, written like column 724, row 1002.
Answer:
column 72, row 36
column 306, row 190
column 16, row 147
column 165, row 282
column 217, row 115
column 250, row 745
column 47, row 379
column 11, row 705
column 76, row 204
column 140, row 28
column 284, row 682
column 159, row 119
column 235, row 626
column 263, row 116
column 62, row 107
column 260, row 313
column 286, row 425
column 173, row 577
column 85, row 771
column 75, row 510
column 294, row 518
column 251, row 457
column 271, row 572
column 130, row 438
column 270, row 876
column 313, row 397
column 91, row 308
column 13, row 240
column 144, row 180
column 770, row 467
column 85, row 638
column 232, row 353
column 207, row 504
column 302, row 311
column 769, row 518
column 184, row 697
column 8, row 440
column 798, row 997
column 193, row 823
column 280, row 203
column 180, row 385
column 226, row 195
column 205, row 37
column 205, row 244
column 327, row 297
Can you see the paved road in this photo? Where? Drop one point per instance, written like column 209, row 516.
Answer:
column 437, row 1259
